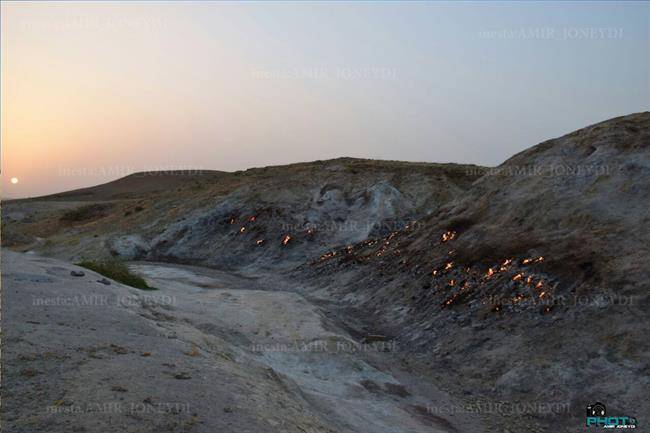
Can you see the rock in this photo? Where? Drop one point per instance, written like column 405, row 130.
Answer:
column 182, row 376
column 104, row 281
column 77, row 273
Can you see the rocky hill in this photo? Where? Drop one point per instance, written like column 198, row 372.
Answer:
column 273, row 216
column 531, row 286
column 520, row 290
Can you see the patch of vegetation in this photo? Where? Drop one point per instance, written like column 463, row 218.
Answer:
column 118, row 271
column 85, row 213
column 134, row 210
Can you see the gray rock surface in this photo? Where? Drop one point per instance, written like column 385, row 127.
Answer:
column 206, row 352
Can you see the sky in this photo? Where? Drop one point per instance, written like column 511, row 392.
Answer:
column 94, row 91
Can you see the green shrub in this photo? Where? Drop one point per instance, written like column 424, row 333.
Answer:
column 85, row 213
column 118, row 271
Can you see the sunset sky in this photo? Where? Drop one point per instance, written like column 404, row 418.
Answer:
column 94, row 91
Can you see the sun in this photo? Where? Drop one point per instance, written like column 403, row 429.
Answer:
column 14, row 180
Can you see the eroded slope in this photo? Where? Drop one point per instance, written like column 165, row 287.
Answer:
column 274, row 216
column 534, row 283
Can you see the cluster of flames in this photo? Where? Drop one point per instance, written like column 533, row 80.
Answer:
column 286, row 238
column 352, row 249
column 384, row 243
column 447, row 236
column 457, row 283
column 529, row 286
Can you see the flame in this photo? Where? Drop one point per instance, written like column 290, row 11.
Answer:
column 533, row 260
column 434, row 273
column 452, row 282
column 447, row 236
column 450, row 301
column 518, row 298
column 529, row 280
column 286, row 239
column 449, row 266
column 232, row 221
column 489, row 273
column 252, row 219
column 518, row 277
column 539, row 285
column 541, row 295
column 259, row 241
column 328, row 255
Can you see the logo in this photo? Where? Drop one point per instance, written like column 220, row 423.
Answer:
column 597, row 417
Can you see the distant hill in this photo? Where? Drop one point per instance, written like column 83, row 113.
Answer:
column 133, row 186
column 230, row 219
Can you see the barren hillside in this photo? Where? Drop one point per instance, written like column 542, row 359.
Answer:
column 534, row 283
column 275, row 216
column 511, row 297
